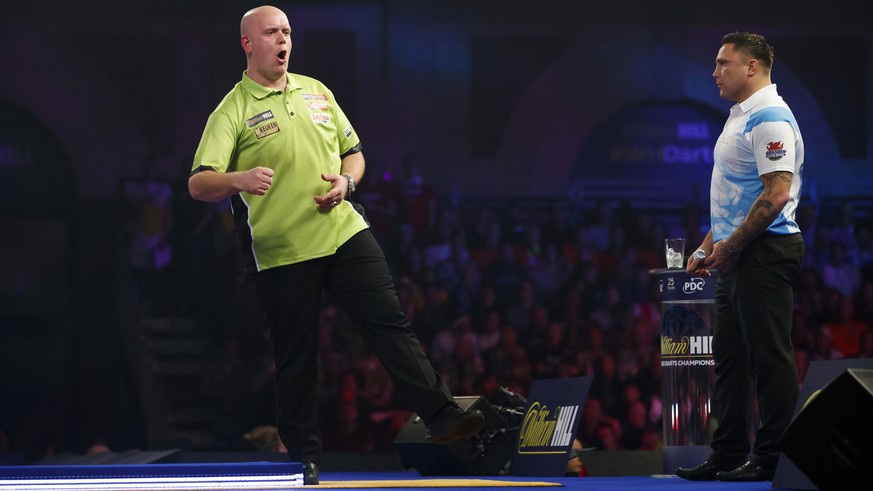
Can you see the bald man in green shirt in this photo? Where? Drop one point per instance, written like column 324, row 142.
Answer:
column 279, row 146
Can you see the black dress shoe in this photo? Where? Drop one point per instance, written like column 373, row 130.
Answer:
column 451, row 424
column 310, row 474
column 749, row 471
column 706, row 471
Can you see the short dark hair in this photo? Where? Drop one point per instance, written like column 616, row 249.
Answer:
column 752, row 44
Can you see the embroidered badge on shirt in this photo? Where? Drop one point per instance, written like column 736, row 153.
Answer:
column 259, row 118
column 266, row 130
column 775, row 150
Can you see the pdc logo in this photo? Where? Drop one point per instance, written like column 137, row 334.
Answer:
column 694, row 285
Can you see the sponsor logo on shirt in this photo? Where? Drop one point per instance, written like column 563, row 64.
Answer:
column 259, row 118
column 318, row 107
column 775, row 150
column 266, row 130
column 314, row 97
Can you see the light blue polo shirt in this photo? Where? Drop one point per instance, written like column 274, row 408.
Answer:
column 760, row 136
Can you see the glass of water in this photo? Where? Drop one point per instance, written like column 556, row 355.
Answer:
column 674, row 249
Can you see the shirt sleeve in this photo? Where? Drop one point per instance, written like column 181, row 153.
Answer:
column 774, row 141
column 217, row 143
column 346, row 135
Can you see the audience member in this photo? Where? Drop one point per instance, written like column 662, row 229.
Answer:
column 635, row 426
column 845, row 331
column 839, row 272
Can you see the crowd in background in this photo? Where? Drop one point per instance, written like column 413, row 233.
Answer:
column 502, row 293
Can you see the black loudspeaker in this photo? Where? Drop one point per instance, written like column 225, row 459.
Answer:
column 484, row 454
column 831, row 438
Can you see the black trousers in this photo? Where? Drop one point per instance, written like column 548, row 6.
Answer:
column 752, row 348
column 358, row 278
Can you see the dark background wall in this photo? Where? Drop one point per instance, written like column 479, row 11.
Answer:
column 496, row 100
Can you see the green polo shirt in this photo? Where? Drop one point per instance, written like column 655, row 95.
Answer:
column 299, row 133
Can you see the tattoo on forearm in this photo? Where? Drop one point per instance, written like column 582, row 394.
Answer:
column 760, row 216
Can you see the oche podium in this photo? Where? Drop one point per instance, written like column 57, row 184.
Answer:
column 687, row 365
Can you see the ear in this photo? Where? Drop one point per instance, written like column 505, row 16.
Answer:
column 754, row 67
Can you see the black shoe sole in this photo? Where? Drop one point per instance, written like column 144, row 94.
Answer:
column 697, row 477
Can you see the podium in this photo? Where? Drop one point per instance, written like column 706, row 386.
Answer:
column 687, row 365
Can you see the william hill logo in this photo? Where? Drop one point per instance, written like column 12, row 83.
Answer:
column 545, row 432
column 687, row 350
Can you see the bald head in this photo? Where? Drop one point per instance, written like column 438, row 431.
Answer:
column 255, row 16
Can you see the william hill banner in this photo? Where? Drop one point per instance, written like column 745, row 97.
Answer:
column 551, row 419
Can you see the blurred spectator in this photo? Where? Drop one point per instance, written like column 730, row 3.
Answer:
column 556, row 227
column 845, row 331
column 864, row 253
column 418, row 203
column 505, row 273
column 600, row 226
column 817, row 250
column 606, row 384
column 553, row 352
column 488, row 335
column 465, row 366
column 636, row 425
column 839, row 272
column 149, row 249
column 520, row 311
column 611, row 306
column 608, row 438
column 575, row 466
column 549, row 273
column 436, row 315
column 592, row 418
column 515, row 225
column 594, row 346
column 844, row 229
column 821, row 348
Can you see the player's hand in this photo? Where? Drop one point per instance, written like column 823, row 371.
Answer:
column 335, row 195
column 257, row 181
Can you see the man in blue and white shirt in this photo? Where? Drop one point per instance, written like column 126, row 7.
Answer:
column 756, row 246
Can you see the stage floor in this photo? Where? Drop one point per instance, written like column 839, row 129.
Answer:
column 621, row 471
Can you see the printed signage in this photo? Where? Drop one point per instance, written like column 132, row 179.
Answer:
column 550, row 422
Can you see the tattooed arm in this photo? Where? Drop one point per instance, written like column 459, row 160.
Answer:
column 764, row 211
